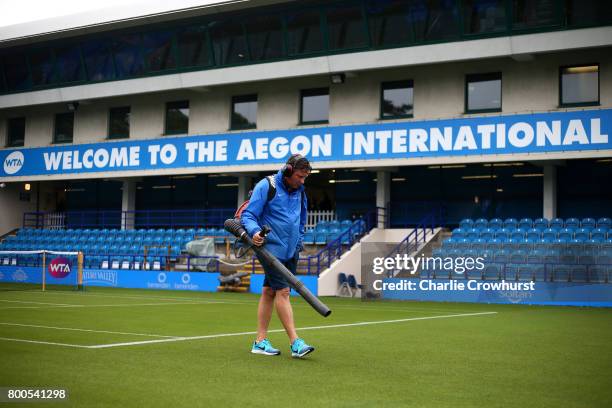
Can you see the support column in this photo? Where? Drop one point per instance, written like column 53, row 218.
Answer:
column 244, row 185
column 550, row 192
column 128, row 203
column 383, row 193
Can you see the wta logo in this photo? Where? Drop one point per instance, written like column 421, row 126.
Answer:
column 60, row 267
column 13, row 162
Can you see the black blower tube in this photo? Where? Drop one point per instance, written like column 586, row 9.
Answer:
column 233, row 225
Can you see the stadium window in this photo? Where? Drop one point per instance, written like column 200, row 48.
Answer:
column 41, row 66
column 304, row 32
column 193, row 47
column 16, row 72
column 579, row 85
column 229, row 43
column 387, row 22
column 244, row 112
column 265, row 37
column 483, row 93
column 158, row 50
column 346, row 27
column 177, row 118
column 314, row 106
column 68, row 64
column 434, row 21
column 588, row 12
column 535, row 13
column 98, row 60
column 484, row 16
column 15, row 132
column 128, row 55
column 119, row 123
column 63, row 127
column 396, row 100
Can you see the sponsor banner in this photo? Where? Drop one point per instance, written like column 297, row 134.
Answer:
column 311, row 282
column 170, row 280
column 33, row 275
column 491, row 135
column 477, row 291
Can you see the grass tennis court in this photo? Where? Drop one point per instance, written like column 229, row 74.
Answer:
column 137, row 348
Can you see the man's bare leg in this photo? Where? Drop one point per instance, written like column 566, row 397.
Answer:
column 285, row 312
column 264, row 312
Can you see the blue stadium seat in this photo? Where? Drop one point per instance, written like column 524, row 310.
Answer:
column 459, row 233
column 495, row 244
column 588, row 223
column 481, row 223
column 492, row 272
column 599, row 234
column 466, row 223
column 582, row 235
column 550, row 234
column 535, row 256
column 321, row 236
column 473, row 234
column 496, row 223
column 511, row 223
column 557, row 223
column 572, row 223
column 309, row 238
column 534, row 234
column 518, row 234
column 518, row 256
column 541, row 223
column 503, row 234
column 525, row 224
column 566, row 234
column 604, row 223
column 511, row 272
column 487, row 234
column 579, row 273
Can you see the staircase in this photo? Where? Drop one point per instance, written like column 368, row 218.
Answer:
column 427, row 250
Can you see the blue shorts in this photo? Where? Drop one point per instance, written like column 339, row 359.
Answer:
column 275, row 280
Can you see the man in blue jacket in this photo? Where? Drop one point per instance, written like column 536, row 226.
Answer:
column 279, row 202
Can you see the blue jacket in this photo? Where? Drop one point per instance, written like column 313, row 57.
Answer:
column 285, row 214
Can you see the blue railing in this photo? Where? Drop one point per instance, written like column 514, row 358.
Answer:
column 417, row 235
column 343, row 242
column 118, row 219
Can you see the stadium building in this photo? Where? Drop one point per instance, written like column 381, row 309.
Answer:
column 418, row 115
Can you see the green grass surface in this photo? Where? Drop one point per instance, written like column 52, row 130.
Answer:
column 523, row 356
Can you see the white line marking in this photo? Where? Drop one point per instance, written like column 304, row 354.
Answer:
column 34, row 303
column 333, row 326
column 254, row 302
column 45, row 342
column 57, row 305
column 83, row 330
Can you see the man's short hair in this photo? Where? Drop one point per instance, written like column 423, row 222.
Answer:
column 299, row 162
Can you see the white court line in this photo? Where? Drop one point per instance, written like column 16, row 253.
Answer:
column 254, row 302
column 331, row 326
column 83, row 330
column 212, row 336
column 34, row 303
column 44, row 342
column 59, row 305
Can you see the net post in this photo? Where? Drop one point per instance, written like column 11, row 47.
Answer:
column 44, row 266
column 80, row 270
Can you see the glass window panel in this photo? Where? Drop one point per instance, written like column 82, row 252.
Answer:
column 534, row 13
column 265, row 37
column 304, row 32
column 158, row 50
column 128, row 56
column 588, row 12
column 177, row 118
column 98, row 60
column 346, row 27
column 193, row 47
column 16, row 72
column 580, row 85
column 315, row 105
column 68, row 62
column 434, row 20
column 244, row 112
column 397, row 99
column 63, row 127
column 229, row 44
column 484, row 16
column 15, row 132
column 41, row 65
column 389, row 22
column 119, row 123
column 483, row 92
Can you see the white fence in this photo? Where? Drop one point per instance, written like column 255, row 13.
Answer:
column 54, row 220
column 315, row 216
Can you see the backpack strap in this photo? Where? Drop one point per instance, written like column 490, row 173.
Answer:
column 271, row 187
